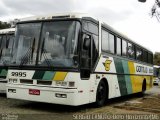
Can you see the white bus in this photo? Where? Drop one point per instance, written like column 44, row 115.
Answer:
column 74, row 59
column 6, row 44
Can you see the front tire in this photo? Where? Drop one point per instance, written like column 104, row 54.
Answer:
column 101, row 95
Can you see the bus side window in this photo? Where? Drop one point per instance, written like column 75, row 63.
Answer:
column 138, row 54
column 105, row 41
column 108, row 42
column 130, row 51
column 124, row 48
column 150, row 58
column 118, row 46
column 145, row 56
column 111, row 43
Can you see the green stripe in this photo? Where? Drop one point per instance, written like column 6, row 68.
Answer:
column 121, row 78
column 3, row 72
column 48, row 75
column 127, row 77
column 38, row 75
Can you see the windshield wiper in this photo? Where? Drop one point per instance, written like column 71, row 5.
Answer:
column 25, row 58
column 43, row 52
column 29, row 54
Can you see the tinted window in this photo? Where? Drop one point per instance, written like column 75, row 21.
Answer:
column 150, row 58
column 91, row 27
column 145, row 56
column 124, row 48
column 138, row 54
column 131, row 50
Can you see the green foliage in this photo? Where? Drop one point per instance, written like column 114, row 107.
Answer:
column 4, row 25
column 156, row 58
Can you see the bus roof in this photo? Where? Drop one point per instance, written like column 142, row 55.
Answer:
column 79, row 15
column 7, row 31
column 56, row 15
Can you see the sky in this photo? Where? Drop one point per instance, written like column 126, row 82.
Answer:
column 129, row 17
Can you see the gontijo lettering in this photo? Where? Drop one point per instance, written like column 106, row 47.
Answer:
column 142, row 69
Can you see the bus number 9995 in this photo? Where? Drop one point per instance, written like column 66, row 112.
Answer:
column 18, row 74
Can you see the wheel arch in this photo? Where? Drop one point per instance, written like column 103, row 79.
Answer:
column 107, row 85
column 144, row 84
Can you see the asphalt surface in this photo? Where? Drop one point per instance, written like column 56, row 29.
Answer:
column 155, row 90
column 11, row 109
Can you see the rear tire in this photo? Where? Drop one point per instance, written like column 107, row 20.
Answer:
column 101, row 95
column 143, row 87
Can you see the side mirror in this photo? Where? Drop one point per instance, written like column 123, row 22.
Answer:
column 142, row 0
column 86, row 43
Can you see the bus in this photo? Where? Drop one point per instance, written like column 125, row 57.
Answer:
column 6, row 44
column 74, row 59
column 156, row 75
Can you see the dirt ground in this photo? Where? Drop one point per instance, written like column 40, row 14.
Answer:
column 118, row 108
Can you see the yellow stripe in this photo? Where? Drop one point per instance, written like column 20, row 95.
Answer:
column 131, row 67
column 132, row 71
column 136, row 80
column 60, row 76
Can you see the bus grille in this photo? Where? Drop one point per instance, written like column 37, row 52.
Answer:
column 39, row 82
column 26, row 81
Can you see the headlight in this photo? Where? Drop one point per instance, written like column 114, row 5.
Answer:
column 61, row 83
column 65, row 84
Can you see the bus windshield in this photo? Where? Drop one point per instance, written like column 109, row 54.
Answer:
column 6, row 45
column 55, row 41
column 26, row 43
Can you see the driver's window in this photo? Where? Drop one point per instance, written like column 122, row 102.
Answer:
column 86, row 53
column 92, row 29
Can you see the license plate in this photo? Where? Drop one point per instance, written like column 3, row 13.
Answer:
column 34, row 92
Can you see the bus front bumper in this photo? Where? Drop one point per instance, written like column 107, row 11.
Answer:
column 45, row 94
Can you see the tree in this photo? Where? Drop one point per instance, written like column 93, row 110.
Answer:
column 156, row 58
column 4, row 25
column 154, row 10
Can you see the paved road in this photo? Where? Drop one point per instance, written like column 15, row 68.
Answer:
column 154, row 90
column 24, row 110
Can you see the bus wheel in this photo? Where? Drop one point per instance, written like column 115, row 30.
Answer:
column 143, row 87
column 101, row 95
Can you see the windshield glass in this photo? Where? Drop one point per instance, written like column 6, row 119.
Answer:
column 57, row 41
column 6, row 46
column 59, row 44
column 26, row 44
